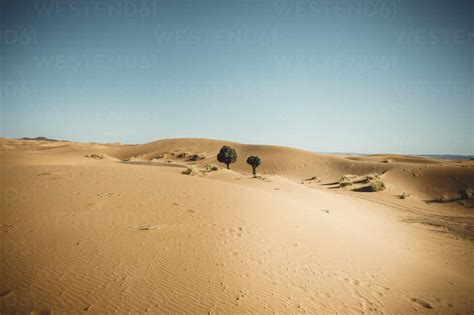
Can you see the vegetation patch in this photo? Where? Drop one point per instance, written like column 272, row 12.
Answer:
column 96, row 156
column 197, row 157
column 404, row 195
column 347, row 177
column 181, row 155
column 346, row 180
column 212, row 168
column 463, row 195
column 191, row 170
column 131, row 159
column 345, row 184
column 466, row 193
column 372, row 177
column 376, row 185
column 441, row 198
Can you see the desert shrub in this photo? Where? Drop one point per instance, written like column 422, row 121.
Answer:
column 254, row 162
column 404, row 195
column 181, row 155
column 96, row 156
column 387, row 161
column 373, row 176
column 346, row 180
column 441, row 198
column 467, row 193
column 187, row 171
column 376, row 185
column 212, row 167
column 227, row 155
column 190, row 170
column 345, row 184
column 196, row 157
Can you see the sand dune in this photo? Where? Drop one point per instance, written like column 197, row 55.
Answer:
column 84, row 231
column 423, row 177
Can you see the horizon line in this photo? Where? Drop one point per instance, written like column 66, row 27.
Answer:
column 200, row 138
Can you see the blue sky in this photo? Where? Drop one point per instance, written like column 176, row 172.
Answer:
column 376, row 76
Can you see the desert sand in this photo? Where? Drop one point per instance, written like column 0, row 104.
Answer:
column 111, row 228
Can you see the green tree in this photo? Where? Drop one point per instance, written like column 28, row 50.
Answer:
column 227, row 155
column 254, row 161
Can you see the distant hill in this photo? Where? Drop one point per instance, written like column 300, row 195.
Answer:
column 42, row 139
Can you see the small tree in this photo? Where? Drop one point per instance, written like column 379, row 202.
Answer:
column 254, row 161
column 227, row 155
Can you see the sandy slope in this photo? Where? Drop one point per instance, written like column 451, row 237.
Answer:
column 98, row 235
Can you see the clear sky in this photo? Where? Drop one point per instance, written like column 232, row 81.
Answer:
column 341, row 76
